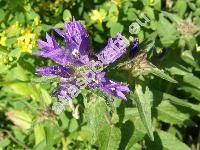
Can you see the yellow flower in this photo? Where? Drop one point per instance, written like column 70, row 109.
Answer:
column 98, row 16
column 36, row 21
column 3, row 41
column 27, row 41
column 3, row 38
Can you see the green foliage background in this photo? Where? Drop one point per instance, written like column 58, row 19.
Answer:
column 158, row 114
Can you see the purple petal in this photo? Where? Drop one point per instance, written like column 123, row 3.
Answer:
column 52, row 50
column 121, row 95
column 115, row 48
column 76, row 37
column 115, row 89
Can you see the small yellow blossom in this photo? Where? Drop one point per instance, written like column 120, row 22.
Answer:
column 24, row 47
column 3, row 38
column 5, row 60
column 98, row 16
column 3, row 41
column 27, row 41
column 36, row 21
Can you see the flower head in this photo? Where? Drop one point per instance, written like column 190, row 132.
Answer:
column 98, row 15
column 115, row 89
column 75, row 59
column 115, row 48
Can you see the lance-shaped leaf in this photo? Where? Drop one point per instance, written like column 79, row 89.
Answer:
column 170, row 114
column 166, row 141
column 167, row 35
column 160, row 73
column 132, row 130
column 109, row 138
column 173, row 17
column 192, row 80
column 181, row 102
column 144, row 107
column 39, row 133
column 105, row 134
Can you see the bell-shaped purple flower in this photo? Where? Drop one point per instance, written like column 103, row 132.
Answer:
column 77, row 53
column 115, row 89
column 77, row 41
column 115, row 48
column 77, row 46
column 76, row 37
column 52, row 50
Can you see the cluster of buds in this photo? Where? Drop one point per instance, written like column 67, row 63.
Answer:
column 139, row 65
column 187, row 27
column 6, row 60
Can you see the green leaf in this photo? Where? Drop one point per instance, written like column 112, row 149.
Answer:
column 192, row 80
column 115, row 28
column 192, row 90
column 95, row 110
column 166, row 141
column 149, row 42
column 188, row 58
column 181, row 102
column 133, row 131
column 112, row 14
column 109, row 138
column 157, row 72
column 166, row 31
column 103, row 130
column 39, row 133
column 50, row 134
column 157, row 4
column 170, row 114
column 131, row 14
column 67, row 15
column 150, row 13
column 21, row 119
column 41, row 145
column 144, row 108
column 73, row 125
column 191, row 41
column 4, row 142
column 180, row 7
column 43, row 95
column 2, row 14
column 177, row 69
column 173, row 17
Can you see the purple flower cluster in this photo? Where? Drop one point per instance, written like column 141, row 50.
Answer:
column 75, row 60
